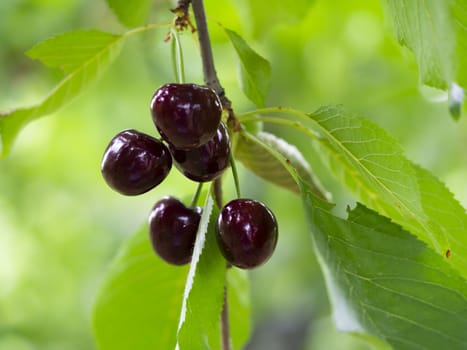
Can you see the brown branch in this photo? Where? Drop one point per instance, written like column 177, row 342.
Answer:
column 211, row 80
column 209, row 70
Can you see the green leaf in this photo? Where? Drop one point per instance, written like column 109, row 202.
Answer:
column 70, row 50
column 199, row 325
column 426, row 27
column 139, row 302
column 255, row 71
column 436, row 32
column 269, row 157
column 373, row 166
column 131, row 13
column 239, row 307
column 385, row 282
column 446, row 217
column 459, row 13
column 84, row 73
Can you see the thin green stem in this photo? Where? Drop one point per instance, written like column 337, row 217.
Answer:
column 253, row 116
column 284, row 110
column 177, row 57
column 195, row 199
column 146, row 28
column 173, row 51
column 217, row 192
column 233, row 165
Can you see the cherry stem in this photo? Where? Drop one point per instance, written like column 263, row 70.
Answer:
column 195, row 199
column 217, row 192
column 177, row 57
column 233, row 165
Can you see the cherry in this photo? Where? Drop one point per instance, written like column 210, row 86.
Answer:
column 134, row 162
column 246, row 232
column 172, row 230
column 206, row 162
column 186, row 115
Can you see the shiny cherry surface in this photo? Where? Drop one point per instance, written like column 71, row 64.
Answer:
column 186, row 115
column 134, row 163
column 172, row 230
column 246, row 232
column 206, row 162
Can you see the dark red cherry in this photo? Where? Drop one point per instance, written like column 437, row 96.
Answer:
column 172, row 230
column 134, row 162
column 186, row 115
column 206, row 162
column 246, row 232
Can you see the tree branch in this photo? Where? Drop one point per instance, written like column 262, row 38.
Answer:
column 209, row 70
column 211, row 80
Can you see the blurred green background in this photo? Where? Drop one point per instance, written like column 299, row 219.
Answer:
column 60, row 224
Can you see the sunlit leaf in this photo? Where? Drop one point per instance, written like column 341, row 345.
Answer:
column 255, row 71
column 199, row 326
column 84, row 73
column 426, row 27
column 373, row 166
column 70, row 50
column 385, row 282
column 84, row 64
column 138, row 306
column 436, row 32
column 266, row 155
column 131, row 13
column 446, row 217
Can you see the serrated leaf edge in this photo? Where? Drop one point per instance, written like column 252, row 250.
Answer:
column 197, row 251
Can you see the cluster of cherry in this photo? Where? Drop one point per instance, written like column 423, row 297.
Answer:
column 188, row 118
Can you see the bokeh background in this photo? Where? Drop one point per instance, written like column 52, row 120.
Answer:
column 60, row 224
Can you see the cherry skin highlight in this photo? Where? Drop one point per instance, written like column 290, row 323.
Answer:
column 133, row 162
column 172, row 230
column 186, row 115
column 246, row 232
column 206, row 162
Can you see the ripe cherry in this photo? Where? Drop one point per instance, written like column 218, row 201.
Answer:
column 134, row 162
column 186, row 115
column 172, row 230
column 246, row 232
column 206, row 162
